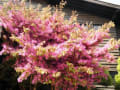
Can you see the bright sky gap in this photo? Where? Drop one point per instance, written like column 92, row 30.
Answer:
column 116, row 2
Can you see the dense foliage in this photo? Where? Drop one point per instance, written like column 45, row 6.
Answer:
column 53, row 50
column 117, row 77
column 8, row 77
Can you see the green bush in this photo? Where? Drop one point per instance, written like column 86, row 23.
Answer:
column 117, row 77
column 108, row 81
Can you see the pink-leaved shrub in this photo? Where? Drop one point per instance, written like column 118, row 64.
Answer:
column 53, row 50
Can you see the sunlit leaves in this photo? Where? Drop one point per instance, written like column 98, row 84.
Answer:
column 52, row 49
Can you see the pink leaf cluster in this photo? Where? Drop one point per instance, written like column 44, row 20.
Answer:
column 54, row 50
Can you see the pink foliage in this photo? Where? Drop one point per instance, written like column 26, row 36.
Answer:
column 52, row 49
